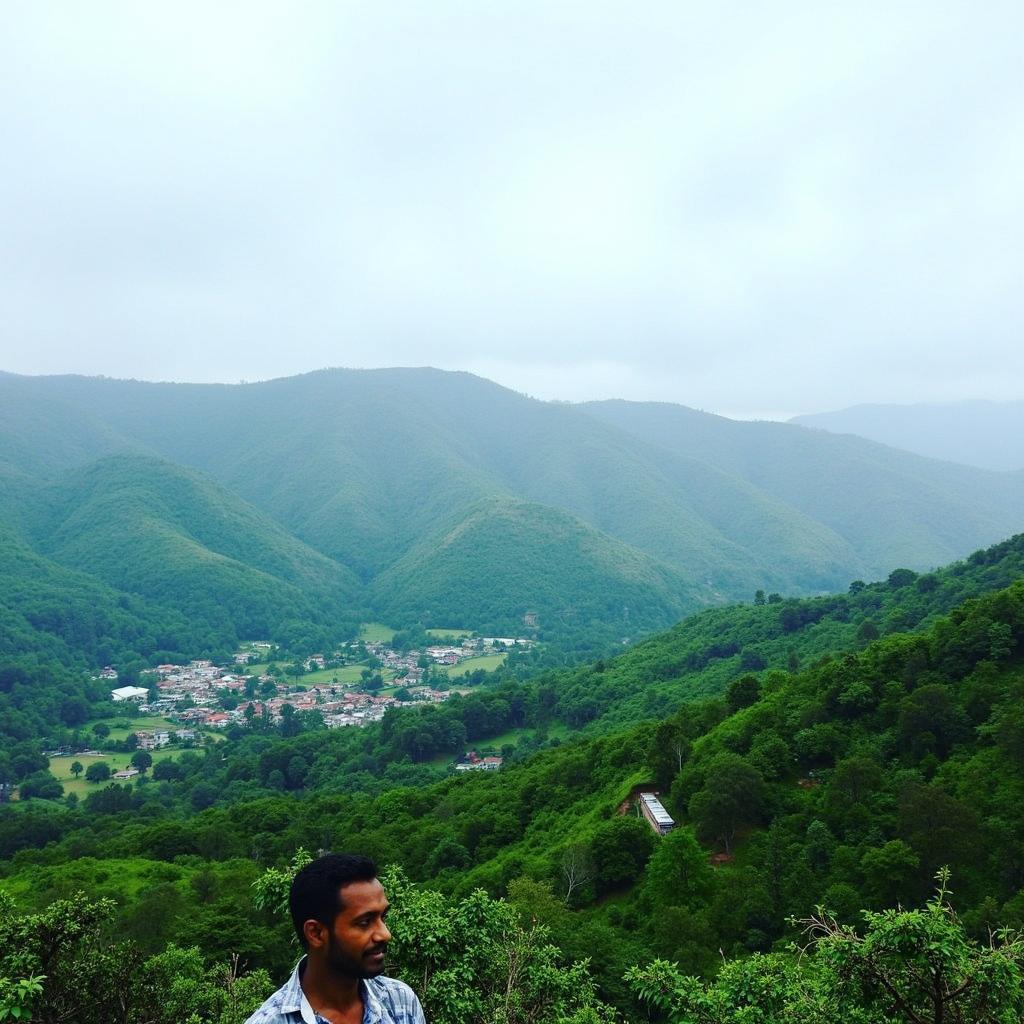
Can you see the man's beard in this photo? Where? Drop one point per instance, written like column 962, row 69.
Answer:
column 346, row 966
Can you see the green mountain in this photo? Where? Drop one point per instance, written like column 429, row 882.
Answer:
column 702, row 655
column 892, row 507
column 506, row 559
column 177, row 540
column 380, row 471
column 50, row 613
column 978, row 433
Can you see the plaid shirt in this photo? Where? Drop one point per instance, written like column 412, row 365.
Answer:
column 385, row 1001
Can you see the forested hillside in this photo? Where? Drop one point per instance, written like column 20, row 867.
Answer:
column 545, row 563
column 894, row 508
column 194, row 567
column 386, row 473
column 849, row 782
column 151, row 528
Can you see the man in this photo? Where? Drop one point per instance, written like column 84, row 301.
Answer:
column 339, row 909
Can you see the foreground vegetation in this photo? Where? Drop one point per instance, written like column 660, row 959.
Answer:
column 477, row 960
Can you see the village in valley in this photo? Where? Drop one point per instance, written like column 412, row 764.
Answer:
column 186, row 705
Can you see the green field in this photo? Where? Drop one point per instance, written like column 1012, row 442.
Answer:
column 61, row 767
column 494, row 743
column 347, row 675
column 376, row 633
column 444, row 634
column 486, row 661
column 121, row 727
column 558, row 730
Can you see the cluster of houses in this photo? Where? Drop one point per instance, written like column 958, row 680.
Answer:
column 408, row 664
column 154, row 739
column 201, row 685
column 192, row 695
column 472, row 762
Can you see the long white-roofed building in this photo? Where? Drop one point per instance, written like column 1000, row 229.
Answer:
column 657, row 817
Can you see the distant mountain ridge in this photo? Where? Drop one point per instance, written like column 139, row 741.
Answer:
column 444, row 498
column 977, row 433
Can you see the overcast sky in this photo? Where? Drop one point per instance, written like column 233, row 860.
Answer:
column 752, row 208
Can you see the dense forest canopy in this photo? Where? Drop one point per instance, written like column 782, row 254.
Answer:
column 420, row 496
column 838, row 751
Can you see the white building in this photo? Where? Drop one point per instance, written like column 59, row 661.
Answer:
column 129, row 693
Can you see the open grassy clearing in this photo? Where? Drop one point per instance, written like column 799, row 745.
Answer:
column 489, row 662
column 557, row 731
column 61, row 767
column 35, row 804
column 121, row 727
column 493, row 744
column 446, row 634
column 347, row 675
column 376, row 633
column 122, row 880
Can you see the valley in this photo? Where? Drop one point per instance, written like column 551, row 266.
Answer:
column 475, row 648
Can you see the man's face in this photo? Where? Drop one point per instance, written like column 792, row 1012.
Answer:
column 355, row 944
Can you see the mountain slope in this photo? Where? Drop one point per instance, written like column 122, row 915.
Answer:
column 892, row 507
column 51, row 613
column 365, row 466
column 703, row 654
column 985, row 434
column 146, row 527
column 507, row 558
column 847, row 784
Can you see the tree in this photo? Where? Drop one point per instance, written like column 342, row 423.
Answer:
column 733, row 795
column 678, row 873
column 576, row 868
column 74, row 711
column 98, row 771
column 620, row 849
column 76, row 768
column 167, row 771
column 67, row 969
column 742, row 693
column 471, row 960
column 290, row 724
column 889, row 870
column 901, row 578
column 909, row 967
column 853, row 781
column 143, row 760
column 931, row 711
column 868, row 631
column 42, row 785
column 818, row 845
column 101, row 729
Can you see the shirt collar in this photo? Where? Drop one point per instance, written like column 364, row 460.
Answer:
column 292, row 996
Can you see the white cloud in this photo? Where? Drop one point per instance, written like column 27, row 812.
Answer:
column 734, row 206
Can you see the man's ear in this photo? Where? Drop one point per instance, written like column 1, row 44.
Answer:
column 315, row 933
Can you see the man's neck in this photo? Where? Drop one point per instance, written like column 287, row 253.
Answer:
column 335, row 998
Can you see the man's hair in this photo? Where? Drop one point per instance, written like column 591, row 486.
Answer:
column 315, row 893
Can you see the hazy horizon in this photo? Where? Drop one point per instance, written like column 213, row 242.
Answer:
column 776, row 416
column 754, row 212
